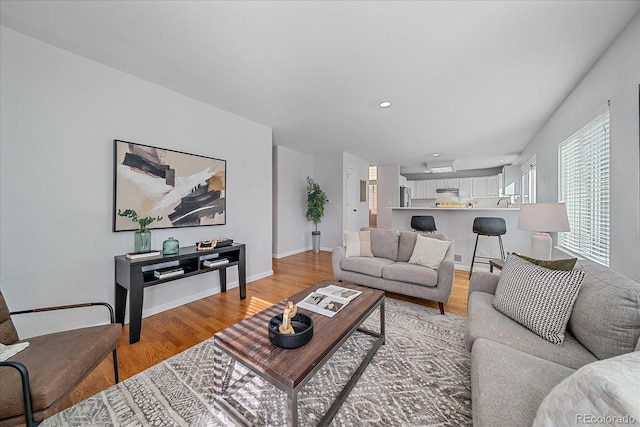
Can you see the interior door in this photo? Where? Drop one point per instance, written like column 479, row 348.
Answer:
column 353, row 199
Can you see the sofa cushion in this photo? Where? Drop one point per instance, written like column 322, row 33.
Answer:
column 487, row 322
column 429, row 252
column 406, row 244
column 606, row 314
column 539, row 298
column 608, row 390
column 410, row 273
column 358, row 243
column 365, row 265
column 507, row 385
column 384, row 243
column 565, row 264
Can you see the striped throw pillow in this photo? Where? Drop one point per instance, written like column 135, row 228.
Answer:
column 536, row 297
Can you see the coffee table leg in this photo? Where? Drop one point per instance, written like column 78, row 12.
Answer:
column 292, row 413
column 217, row 377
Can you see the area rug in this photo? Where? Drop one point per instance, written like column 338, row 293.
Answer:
column 420, row 377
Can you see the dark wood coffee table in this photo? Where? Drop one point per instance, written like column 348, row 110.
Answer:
column 290, row 370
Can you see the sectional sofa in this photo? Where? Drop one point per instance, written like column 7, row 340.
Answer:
column 519, row 378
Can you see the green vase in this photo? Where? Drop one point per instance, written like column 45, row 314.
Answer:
column 142, row 241
column 170, row 246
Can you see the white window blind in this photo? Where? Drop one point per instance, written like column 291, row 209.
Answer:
column 583, row 162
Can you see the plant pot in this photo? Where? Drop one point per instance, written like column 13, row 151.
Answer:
column 315, row 241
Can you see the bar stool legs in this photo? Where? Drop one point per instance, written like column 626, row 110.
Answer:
column 488, row 226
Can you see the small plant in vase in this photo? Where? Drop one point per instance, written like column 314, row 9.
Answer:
column 142, row 237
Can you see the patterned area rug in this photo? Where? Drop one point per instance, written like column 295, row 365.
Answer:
column 420, row 377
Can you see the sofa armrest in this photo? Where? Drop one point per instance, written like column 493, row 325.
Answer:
column 338, row 253
column 482, row 281
column 446, row 271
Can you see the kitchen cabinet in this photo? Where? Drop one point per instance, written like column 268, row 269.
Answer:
column 411, row 185
column 441, row 183
column 430, row 188
column 453, row 183
column 493, row 185
column 485, row 186
column 464, row 185
column 479, row 186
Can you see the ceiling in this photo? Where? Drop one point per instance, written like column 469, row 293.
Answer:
column 471, row 80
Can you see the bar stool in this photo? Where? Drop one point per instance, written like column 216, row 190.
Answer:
column 423, row 223
column 488, row 226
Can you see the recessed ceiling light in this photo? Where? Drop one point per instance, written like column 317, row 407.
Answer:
column 435, row 154
column 385, row 104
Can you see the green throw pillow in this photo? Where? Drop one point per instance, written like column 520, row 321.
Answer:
column 552, row 264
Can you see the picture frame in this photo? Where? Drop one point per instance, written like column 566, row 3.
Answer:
column 185, row 190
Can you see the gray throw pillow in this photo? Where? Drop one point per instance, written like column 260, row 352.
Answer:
column 384, row 243
column 536, row 297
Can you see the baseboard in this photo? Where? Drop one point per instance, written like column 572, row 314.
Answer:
column 200, row 295
column 298, row 251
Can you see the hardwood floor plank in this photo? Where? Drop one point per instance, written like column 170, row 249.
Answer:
column 171, row 332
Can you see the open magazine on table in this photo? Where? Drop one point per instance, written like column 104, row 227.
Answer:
column 329, row 300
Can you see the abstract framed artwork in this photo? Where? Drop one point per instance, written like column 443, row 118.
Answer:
column 186, row 190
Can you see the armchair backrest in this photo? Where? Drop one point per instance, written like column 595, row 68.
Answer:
column 8, row 333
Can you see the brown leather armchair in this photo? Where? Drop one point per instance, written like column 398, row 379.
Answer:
column 35, row 381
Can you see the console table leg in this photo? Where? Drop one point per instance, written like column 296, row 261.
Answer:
column 121, row 303
column 242, row 273
column 223, row 279
column 135, row 314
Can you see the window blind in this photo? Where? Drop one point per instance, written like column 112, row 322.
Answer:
column 583, row 171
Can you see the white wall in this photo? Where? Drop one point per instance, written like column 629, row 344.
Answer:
column 328, row 171
column 59, row 116
column 388, row 193
column 291, row 229
column 614, row 77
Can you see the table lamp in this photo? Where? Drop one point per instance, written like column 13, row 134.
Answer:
column 543, row 218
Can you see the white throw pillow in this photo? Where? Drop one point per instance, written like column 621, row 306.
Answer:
column 429, row 252
column 606, row 392
column 536, row 297
column 358, row 243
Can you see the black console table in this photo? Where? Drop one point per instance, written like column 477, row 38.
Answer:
column 133, row 275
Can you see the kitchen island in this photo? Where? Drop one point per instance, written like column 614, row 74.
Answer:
column 457, row 224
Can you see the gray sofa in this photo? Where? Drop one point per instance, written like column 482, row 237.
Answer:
column 389, row 269
column 513, row 369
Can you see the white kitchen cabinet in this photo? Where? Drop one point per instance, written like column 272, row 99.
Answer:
column 479, row 186
column 464, row 185
column 430, row 188
column 412, row 186
column 441, row 183
column 493, row 185
column 453, row 183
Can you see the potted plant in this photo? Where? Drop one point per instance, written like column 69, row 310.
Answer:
column 142, row 237
column 316, row 198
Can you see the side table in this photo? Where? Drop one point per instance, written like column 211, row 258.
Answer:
column 497, row 263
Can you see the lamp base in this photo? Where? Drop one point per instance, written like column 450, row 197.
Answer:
column 541, row 244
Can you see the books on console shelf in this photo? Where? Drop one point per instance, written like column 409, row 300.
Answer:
column 139, row 255
column 215, row 262
column 329, row 300
column 164, row 273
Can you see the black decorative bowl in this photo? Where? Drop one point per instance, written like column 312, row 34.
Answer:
column 301, row 324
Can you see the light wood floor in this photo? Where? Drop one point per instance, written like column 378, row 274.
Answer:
column 173, row 331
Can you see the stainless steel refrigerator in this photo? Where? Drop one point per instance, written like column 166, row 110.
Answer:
column 405, row 197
